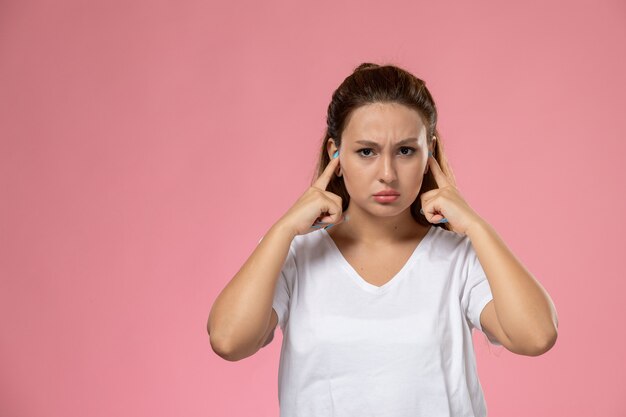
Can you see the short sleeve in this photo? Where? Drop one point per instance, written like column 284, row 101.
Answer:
column 284, row 285
column 476, row 291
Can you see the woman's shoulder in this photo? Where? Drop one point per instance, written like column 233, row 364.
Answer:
column 308, row 242
column 447, row 240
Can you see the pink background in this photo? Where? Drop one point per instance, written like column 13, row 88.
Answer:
column 146, row 146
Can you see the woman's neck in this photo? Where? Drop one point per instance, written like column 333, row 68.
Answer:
column 372, row 230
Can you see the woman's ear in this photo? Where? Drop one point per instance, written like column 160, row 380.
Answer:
column 431, row 151
column 331, row 148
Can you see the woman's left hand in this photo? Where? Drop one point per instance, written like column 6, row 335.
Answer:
column 446, row 202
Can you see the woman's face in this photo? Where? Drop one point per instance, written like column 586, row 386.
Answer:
column 384, row 147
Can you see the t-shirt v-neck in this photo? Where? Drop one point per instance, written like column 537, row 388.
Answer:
column 421, row 247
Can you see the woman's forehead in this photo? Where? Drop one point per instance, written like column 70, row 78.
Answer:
column 384, row 123
column 384, row 116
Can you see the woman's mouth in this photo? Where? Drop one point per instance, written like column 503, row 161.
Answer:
column 381, row 198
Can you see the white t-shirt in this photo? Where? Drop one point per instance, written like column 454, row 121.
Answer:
column 351, row 348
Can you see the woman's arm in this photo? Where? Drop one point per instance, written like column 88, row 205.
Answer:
column 525, row 311
column 240, row 315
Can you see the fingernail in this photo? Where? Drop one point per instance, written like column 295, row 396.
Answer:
column 444, row 220
column 430, row 153
column 422, row 211
column 336, row 154
column 329, row 226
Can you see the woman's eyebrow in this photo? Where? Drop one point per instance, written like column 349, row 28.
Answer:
column 371, row 143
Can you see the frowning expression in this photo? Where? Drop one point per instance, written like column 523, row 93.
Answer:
column 384, row 146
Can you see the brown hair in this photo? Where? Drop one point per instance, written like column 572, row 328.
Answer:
column 372, row 83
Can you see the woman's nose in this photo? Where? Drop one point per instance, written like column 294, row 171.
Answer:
column 387, row 170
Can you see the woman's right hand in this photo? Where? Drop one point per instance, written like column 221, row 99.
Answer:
column 316, row 207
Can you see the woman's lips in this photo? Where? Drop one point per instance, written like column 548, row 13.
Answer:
column 388, row 192
column 386, row 198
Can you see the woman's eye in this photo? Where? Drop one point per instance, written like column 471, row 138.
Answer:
column 412, row 151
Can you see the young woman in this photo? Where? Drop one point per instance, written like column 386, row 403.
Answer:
column 380, row 270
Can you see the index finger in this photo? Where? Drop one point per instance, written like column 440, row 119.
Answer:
column 440, row 177
column 322, row 181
